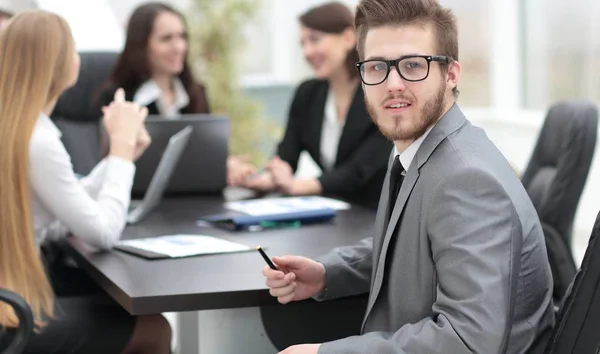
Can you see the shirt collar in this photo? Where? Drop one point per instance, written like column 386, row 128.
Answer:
column 408, row 155
column 330, row 109
column 47, row 125
column 150, row 92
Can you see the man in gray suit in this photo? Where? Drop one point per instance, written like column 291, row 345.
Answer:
column 458, row 261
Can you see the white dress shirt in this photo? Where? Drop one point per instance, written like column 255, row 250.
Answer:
column 150, row 92
column 331, row 132
column 408, row 155
column 93, row 209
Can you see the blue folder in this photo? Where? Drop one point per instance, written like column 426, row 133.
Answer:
column 242, row 221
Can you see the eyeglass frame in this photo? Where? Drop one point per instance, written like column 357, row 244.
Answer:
column 394, row 64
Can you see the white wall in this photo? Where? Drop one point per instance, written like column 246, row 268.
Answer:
column 92, row 22
column 123, row 8
column 15, row 6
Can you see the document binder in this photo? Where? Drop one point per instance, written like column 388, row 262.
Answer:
column 241, row 222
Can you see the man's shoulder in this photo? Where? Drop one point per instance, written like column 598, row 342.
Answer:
column 469, row 147
column 469, row 159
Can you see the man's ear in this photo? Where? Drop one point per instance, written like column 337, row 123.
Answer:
column 453, row 74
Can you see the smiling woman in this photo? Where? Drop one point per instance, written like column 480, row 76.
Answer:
column 153, row 68
column 327, row 119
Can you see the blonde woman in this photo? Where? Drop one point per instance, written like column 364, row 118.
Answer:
column 41, row 199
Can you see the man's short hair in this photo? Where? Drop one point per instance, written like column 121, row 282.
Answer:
column 378, row 13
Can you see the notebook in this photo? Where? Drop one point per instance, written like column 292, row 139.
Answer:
column 177, row 246
column 290, row 219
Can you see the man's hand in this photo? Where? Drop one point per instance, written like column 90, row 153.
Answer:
column 296, row 278
column 302, row 349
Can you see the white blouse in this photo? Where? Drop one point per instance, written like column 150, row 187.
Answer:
column 150, row 92
column 330, row 133
column 93, row 208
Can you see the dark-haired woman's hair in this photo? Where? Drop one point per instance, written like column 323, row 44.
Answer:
column 333, row 17
column 132, row 68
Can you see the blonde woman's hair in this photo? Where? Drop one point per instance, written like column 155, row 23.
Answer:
column 37, row 54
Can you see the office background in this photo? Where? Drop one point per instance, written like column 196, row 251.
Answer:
column 518, row 56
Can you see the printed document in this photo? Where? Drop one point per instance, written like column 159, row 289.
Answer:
column 185, row 245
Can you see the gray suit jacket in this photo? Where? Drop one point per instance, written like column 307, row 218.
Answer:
column 461, row 266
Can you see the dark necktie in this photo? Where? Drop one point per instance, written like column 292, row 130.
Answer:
column 396, row 179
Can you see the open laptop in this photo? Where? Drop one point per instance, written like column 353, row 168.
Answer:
column 161, row 176
column 202, row 168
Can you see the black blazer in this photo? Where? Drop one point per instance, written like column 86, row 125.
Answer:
column 107, row 94
column 362, row 154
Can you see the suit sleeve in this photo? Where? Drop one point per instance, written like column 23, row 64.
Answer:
column 367, row 161
column 348, row 270
column 476, row 242
column 290, row 147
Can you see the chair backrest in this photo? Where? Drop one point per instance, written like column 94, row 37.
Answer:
column 78, row 111
column 578, row 320
column 82, row 141
column 81, row 102
column 561, row 160
column 23, row 311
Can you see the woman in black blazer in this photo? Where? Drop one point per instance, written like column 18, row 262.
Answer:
column 153, row 69
column 328, row 119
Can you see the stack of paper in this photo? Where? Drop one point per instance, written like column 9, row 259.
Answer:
column 283, row 205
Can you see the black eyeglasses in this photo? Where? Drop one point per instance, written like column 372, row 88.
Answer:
column 411, row 68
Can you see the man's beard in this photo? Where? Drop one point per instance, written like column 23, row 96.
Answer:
column 430, row 113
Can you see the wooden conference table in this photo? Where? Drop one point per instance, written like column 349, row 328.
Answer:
column 213, row 281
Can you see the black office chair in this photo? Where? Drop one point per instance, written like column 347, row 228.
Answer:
column 78, row 111
column 576, row 329
column 25, row 316
column 313, row 322
column 555, row 178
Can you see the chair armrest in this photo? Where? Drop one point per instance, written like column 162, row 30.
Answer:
column 25, row 316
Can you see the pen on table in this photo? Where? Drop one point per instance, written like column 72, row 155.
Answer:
column 266, row 258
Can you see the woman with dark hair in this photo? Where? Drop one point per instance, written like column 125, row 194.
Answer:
column 153, row 68
column 328, row 119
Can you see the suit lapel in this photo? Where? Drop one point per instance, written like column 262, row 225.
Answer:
column 450, row 122
column 357, row 121
column 379, row 262
column 381, row 220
